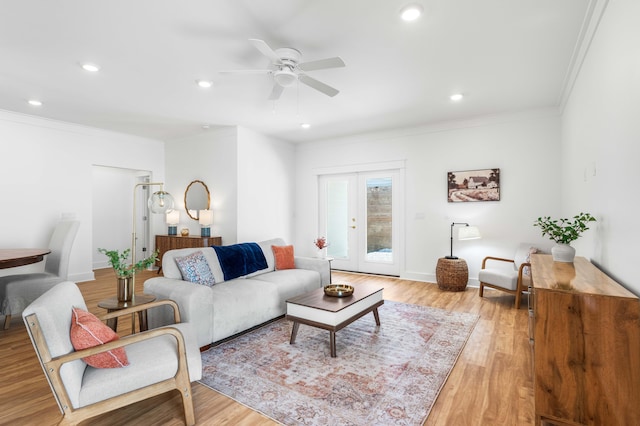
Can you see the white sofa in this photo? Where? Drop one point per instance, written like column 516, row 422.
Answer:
column 230, row 307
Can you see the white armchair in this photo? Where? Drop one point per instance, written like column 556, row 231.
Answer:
column 160, row 360
column 513, row 279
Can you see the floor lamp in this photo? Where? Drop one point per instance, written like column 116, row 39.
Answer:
column 466, row 233
column 159, row 202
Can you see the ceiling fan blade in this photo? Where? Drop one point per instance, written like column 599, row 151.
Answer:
column 321, row 64
column 265, row 50
column 244, row 72
column 276, row 92
column 318, row 85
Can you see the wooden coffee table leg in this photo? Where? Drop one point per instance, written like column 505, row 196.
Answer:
column 332, row 343
column 376, row 316
column 294, row 332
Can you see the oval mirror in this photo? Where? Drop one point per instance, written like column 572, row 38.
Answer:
column 196, row 198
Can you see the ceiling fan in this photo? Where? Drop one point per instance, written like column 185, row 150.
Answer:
column 288, row 69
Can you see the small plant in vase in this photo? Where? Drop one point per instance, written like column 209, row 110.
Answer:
column 321, row 244
column 563, row 232
column 125, row 271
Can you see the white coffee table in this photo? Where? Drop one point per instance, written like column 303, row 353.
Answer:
column 333, row 313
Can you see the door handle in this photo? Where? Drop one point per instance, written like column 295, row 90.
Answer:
column 353, row 227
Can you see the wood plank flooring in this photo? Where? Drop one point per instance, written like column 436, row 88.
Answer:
column 491, row 384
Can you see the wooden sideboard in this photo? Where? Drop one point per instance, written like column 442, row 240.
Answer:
column 586, row 345
column 165, row 243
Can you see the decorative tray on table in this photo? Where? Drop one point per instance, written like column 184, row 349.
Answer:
column 338, row 290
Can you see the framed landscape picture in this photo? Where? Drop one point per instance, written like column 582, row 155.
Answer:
column 473, row 185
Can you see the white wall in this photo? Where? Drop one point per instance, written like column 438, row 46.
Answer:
column 518, row 144
column 601, row 143
column 266, row 182
column 211, row 157
column 250, row 177
column 47, row 172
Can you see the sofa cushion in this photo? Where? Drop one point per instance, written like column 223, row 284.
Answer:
column 170, row 267
column 241, row 304
column 237, row 260
column 284, row 257
column 195, row 268
column 291, row 282
column 88, row 331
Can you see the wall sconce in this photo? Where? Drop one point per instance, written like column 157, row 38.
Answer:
column 205, row 218
column 173, row 219
column 466, row 233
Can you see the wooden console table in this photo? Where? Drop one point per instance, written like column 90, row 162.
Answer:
column 165, row 243
column 585, row 332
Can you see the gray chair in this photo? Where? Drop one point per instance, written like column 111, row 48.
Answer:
column 514, row 279
column 160, row 360
column 17, row 291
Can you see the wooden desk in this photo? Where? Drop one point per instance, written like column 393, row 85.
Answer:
column 10, row 258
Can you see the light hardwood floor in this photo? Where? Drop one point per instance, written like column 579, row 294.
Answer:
column 491, row 383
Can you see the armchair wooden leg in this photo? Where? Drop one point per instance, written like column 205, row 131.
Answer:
column 187, row 402
column 7, row 321
column 481, row 291
column 518, row 296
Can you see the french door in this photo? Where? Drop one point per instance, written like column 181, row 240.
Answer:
column 360, row 216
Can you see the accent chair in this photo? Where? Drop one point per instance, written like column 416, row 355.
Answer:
column 159, row 360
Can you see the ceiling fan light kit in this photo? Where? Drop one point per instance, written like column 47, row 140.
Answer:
column 285, row 77
column 288, row 69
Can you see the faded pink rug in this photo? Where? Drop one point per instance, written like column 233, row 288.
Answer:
column 387, row 375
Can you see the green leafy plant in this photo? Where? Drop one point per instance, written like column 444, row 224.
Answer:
column 564, row 230
column 120, row 262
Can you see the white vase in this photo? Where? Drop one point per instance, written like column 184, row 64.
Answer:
column 563, row 253
column 321, row 253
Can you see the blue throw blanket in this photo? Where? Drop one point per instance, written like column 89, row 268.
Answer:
column 240, row 259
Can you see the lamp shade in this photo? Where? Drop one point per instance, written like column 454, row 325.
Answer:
column 205, row 217
column 468, row 233
column 173, row 217
column 160, row 202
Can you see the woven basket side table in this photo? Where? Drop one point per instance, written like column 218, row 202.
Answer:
column 452, row 274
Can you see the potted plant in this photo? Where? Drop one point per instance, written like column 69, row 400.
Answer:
column 321, row 244
column 563, row 231
column 125, row 271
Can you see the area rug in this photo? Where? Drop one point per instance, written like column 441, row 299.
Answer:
column 387, row 375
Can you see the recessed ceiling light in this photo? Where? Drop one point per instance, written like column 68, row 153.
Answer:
column 411, row 12
column 456, row 97
column 206, row 126
column 34, row 102
column 305, row 125
column 205, row 84
column 90, row 67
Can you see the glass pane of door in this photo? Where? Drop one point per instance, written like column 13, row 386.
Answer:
column 337, row 218
column 379, row 219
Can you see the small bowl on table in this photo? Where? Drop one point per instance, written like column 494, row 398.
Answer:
column 338, row 290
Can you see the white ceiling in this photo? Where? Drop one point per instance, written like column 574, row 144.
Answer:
column 504, row 55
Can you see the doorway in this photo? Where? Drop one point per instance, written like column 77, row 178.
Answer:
column 360, row 216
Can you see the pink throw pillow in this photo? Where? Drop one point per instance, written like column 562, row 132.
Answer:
column 88, row 331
